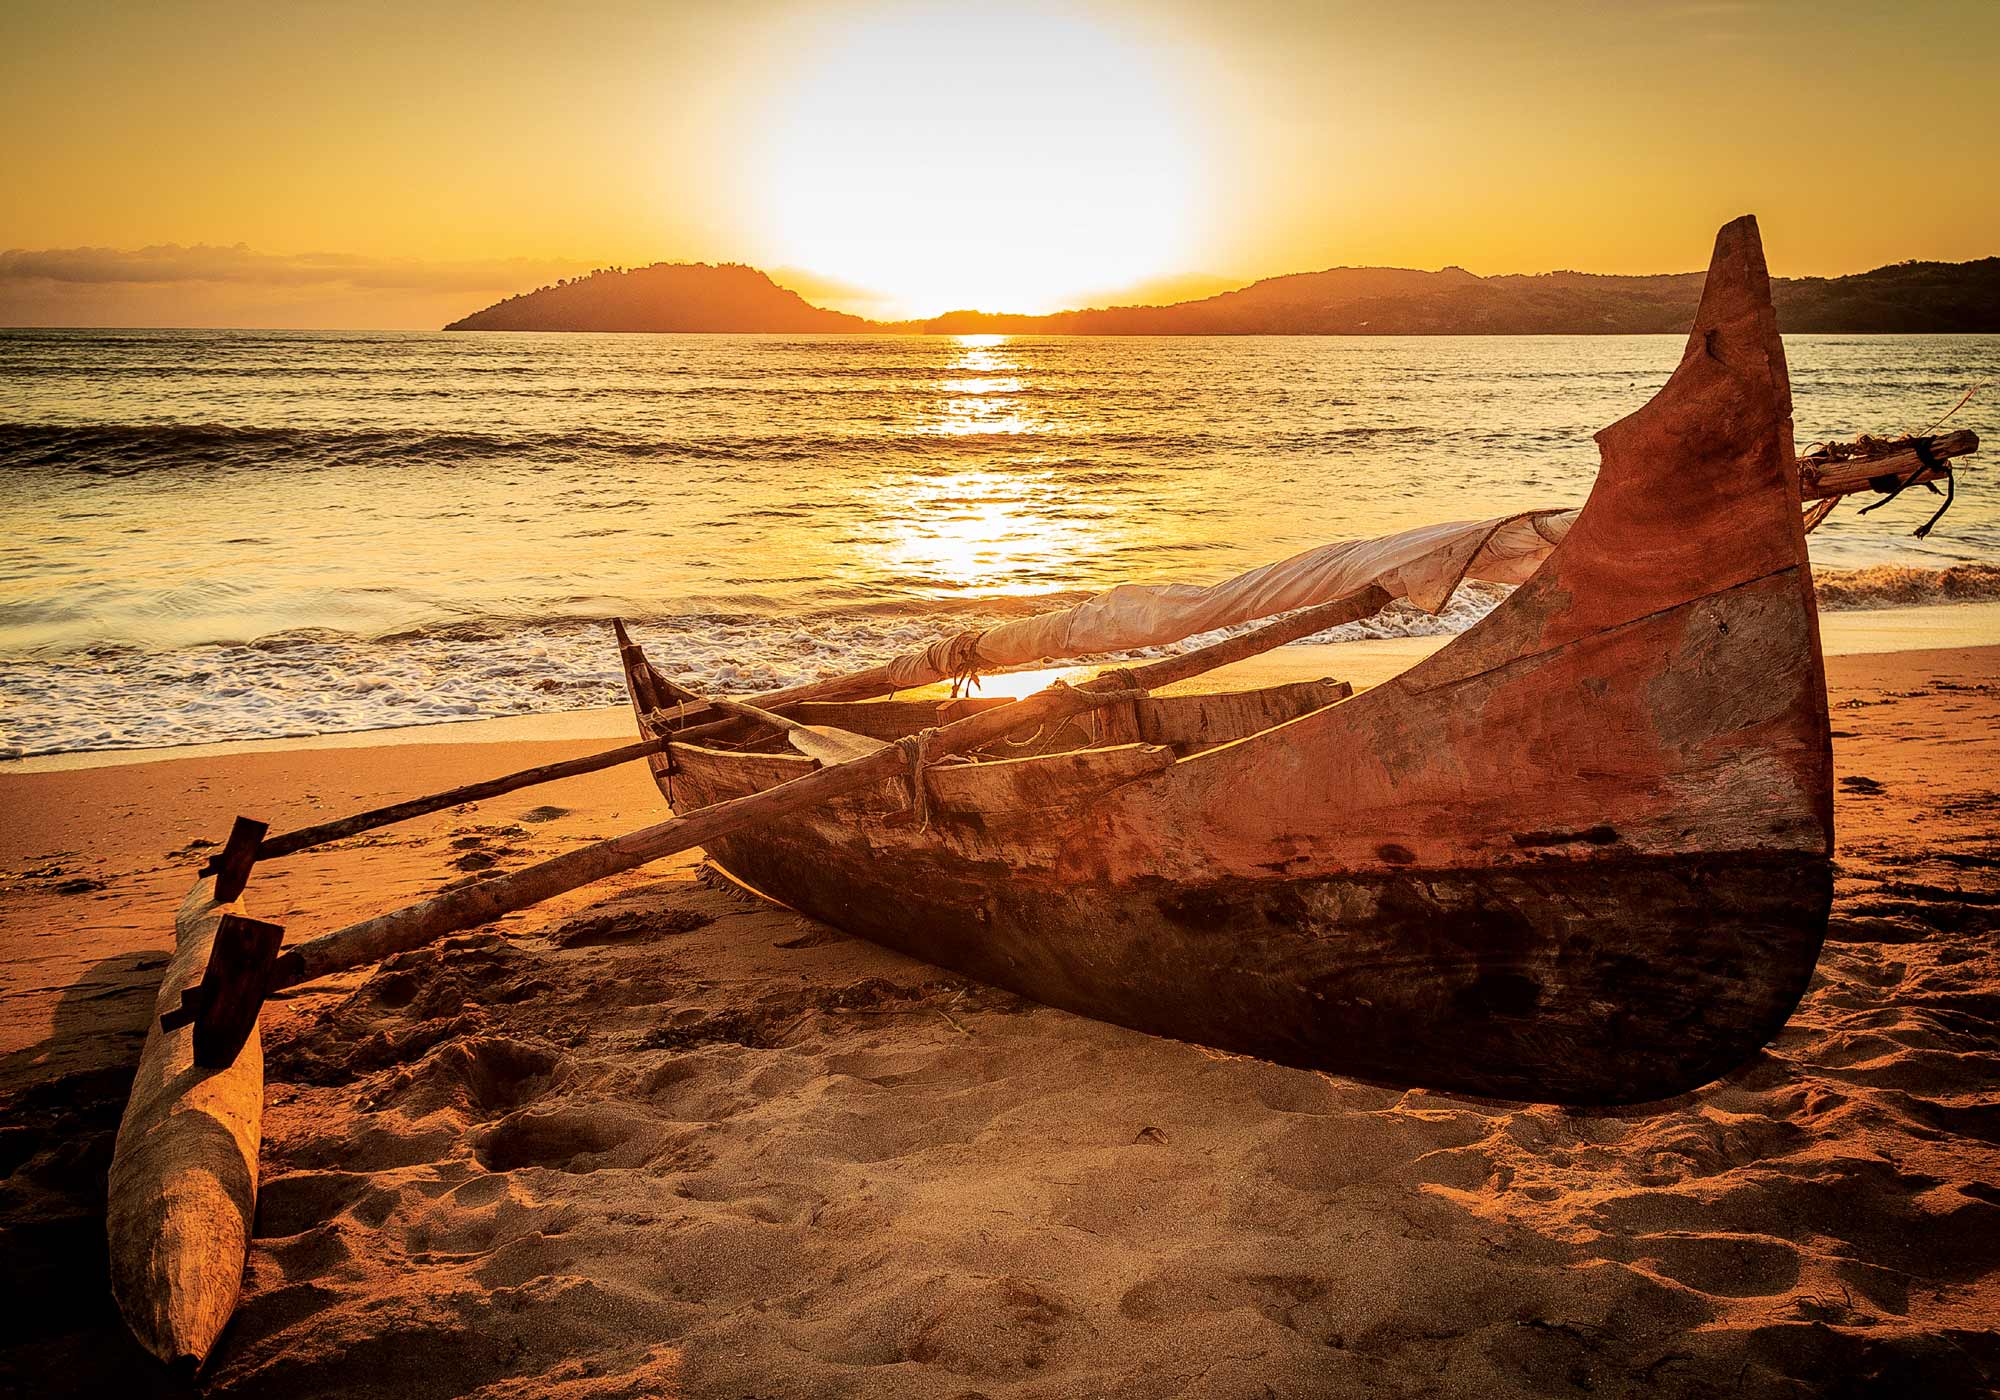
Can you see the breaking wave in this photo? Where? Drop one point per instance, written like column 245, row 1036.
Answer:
column 1900, row 586
column 317, row 681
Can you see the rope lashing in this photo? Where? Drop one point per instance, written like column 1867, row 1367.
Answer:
column 915, row 747
column 964, row 664
column 956, row 658
column 916, row 754
column 1894, row 486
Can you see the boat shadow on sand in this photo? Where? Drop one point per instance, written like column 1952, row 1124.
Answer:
column 60, row 1102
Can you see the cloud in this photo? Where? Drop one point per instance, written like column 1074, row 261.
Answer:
column 208, row 284
column 238, row 263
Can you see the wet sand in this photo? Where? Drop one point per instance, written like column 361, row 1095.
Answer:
column 657, row 1138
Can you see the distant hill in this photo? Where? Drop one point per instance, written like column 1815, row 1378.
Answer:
column 663, row 297
column 1905, row 297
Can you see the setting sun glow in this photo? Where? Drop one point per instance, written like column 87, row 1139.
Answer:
column 948, row 158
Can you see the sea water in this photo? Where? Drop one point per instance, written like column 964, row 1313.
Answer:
column 232, row 534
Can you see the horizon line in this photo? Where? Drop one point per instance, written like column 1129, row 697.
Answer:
column 160, row 266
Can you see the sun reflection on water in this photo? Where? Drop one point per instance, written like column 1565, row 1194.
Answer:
column 983, row 527
column 978, row 392
column 986, row 530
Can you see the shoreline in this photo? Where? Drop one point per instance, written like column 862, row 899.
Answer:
column 1365, row 663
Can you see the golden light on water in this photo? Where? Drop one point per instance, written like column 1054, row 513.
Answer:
column 978, row 528
column 983, row 531
column 975, row 396
column 1005, row 158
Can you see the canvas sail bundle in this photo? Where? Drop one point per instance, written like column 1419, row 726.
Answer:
column 1423, row 565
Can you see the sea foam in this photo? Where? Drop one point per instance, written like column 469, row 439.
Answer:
column 314, row 682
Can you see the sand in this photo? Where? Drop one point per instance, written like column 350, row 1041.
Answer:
column 659, row 1139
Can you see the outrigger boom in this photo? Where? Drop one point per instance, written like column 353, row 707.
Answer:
column 183, row 1193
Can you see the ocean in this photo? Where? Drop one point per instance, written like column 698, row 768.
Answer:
column 211, row 535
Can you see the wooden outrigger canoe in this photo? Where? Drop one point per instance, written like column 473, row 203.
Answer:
column 1581, row 854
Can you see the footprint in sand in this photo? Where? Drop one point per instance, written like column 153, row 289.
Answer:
column 1726, row 1266
column 626, row 925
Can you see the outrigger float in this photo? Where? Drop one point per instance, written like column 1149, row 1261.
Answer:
column 1579, row 855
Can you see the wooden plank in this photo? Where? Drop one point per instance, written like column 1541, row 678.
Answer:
column 1029, row 789
column 736, row 772
column 183, row 1184
column 892, row 719
column 1189, row 722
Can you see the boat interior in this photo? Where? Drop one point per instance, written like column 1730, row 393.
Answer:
column 1183, row 724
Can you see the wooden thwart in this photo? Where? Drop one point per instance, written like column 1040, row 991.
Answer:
column 231, row 865
column 223, row 1006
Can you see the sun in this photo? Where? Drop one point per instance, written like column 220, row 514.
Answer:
column 995, row 158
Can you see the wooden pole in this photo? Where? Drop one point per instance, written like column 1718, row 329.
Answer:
column 308, row 836
column 1910, row 463
column 412, row 927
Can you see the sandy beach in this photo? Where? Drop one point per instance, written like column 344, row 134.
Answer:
column 660, row 1138
column 1568, row 965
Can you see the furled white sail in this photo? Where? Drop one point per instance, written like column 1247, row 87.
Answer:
column 1423, row 565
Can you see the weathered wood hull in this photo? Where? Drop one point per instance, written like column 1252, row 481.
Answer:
column 183, row 1186
column 1581, row 854
column 1579, row 982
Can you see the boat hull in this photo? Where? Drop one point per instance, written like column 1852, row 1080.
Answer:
column 1576, row 982
column 1581, row 854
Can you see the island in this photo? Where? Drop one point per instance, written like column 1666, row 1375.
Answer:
column 1902, row 298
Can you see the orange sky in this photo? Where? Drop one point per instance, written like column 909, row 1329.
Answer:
column 400, row 164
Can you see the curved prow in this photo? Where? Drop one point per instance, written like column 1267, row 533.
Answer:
column 1698, row 490
column 1581, row 853
column 1696, row 502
